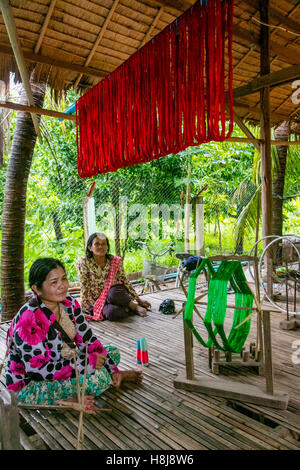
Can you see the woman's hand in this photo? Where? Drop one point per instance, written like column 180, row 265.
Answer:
column 144, row 303
column 116, row 379
column 101, row 358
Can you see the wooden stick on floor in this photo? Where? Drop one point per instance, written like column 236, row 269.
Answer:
column 80, row 434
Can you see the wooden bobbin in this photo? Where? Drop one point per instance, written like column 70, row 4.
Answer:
column 252, row 348
column 228, row 356
column 246, row 356
column 217, row 355
column 259, row 356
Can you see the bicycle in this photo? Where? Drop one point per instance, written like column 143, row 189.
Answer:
column 154, row 273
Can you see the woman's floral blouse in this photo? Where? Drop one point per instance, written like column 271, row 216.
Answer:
column 35, row 350
column 93, row 278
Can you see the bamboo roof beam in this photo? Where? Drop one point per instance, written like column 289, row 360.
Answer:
column 45, row 26
column 276, row 15
column 179, row 5
column 272, row 34
column 155, row 21
column 37, row 58
column 98, row 40
column 290, row 53
column 272, row 79
column 15, row 43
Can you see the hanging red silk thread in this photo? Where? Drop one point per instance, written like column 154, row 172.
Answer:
column 167, row 96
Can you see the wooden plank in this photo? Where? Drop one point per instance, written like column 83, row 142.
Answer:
column 236, row 391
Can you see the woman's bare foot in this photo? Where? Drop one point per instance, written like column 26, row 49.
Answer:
column 141, row 311
column 134, row 376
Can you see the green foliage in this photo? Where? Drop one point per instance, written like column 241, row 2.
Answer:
column 229, row 169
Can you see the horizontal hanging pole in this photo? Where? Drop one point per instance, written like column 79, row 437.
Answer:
column 35, row 110
column 70, row 117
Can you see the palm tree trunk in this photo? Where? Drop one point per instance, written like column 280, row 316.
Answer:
column 1, row 142
column 14, row 209
column 281, row 133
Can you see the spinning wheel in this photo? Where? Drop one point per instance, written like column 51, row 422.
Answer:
column 231, row 271
column 228, row 271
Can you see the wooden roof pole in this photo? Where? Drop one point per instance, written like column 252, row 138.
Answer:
column 99, row 38
column 45, row 26
column 265, row 130
column 149, row 32
column 14, row 40
column 245, row 129
column 54, row 62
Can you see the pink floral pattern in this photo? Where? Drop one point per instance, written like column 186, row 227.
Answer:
column 33, row 326
column 78, row 340
column 15, row 387
column 63, row 374
column 17, row 368
column 93, row 350
column 35, row 352
column 38, row 361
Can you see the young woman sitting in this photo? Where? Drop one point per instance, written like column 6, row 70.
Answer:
column 43, row 337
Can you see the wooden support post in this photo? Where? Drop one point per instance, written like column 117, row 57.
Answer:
column 259, row 334
column 268, row 353
column 89, row 218
column 266, row 162
column 188, row 347
column 199, row 225
column 187, row 210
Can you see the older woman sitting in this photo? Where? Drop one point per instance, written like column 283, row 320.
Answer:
column 106, row 293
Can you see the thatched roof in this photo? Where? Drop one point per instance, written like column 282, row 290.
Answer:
column 78, row 42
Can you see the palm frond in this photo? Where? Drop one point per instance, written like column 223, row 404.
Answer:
column 247, row 219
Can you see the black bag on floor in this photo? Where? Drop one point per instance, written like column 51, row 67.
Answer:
column 167, row 307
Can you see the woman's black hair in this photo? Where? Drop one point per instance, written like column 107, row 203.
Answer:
column 88, row 252
column 40, row 270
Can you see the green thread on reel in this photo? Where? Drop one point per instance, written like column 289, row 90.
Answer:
column 228, row 271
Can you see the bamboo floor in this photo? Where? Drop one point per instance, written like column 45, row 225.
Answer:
column 156, row 416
